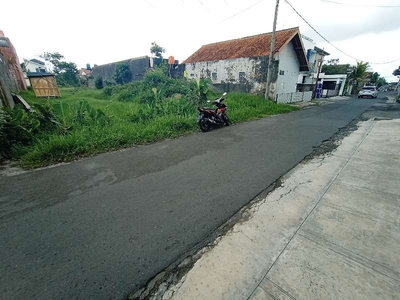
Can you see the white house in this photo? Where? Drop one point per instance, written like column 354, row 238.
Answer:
column 242, row 64
column 35, row 66
column 328, row 85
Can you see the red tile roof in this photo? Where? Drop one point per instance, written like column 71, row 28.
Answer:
column 86, row 71
column 257, row 45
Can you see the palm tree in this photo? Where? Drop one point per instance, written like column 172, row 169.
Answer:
column 359, row 73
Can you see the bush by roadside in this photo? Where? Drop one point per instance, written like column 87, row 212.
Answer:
column 85, row 122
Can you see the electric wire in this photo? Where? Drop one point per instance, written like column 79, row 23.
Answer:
column 326, row 40
column 242, row 11
column 360, row 5
column 204, row 5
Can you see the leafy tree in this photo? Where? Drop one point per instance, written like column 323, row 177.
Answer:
column 157, row 50
column 396, row 72
column 23, row 67
column 122, row 74
column 98, row 83
column 375, row 77
column 377, row 80
column 66, row 72
column 381, row 82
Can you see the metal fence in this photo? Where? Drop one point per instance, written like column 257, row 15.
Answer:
column 294, row 97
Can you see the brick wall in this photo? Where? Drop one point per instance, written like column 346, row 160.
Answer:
column 7, row 84
column 14, row 66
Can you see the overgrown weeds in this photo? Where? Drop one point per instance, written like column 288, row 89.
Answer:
column 85, row 122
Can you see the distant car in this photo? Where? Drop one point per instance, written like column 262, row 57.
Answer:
column 368, row 91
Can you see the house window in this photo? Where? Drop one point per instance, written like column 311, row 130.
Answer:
column 242, row 77
column 214, row 76
column 281, row 72
column 192, row 75
column 304, row 79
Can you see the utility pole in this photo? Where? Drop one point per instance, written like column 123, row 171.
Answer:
column 271, row 52
column 319, row 65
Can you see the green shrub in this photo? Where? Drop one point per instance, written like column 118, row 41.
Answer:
column 108, row 91
column 87, row 121
column 155, row 79
column 98, row 83
column 122, row 74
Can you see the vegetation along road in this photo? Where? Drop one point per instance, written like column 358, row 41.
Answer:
column 101, row 227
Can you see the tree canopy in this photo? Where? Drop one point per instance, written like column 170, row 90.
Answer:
column 396, row 72
column 335, row 69
column 66, row 73
column 122, row 74
column 156, row 50
column 377, row 80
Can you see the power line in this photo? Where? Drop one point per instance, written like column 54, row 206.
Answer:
column 360, row 5
column 150, row 4
column 380, row 63
column 204, row 5
column 251, row 6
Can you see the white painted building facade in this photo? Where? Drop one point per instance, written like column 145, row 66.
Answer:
column 35, row 66
column 244, row 62
column 239, row 70
column 339, row 81
column 288, row 70
column 247, row 70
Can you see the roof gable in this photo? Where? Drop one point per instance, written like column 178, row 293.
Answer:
column 257, row 45
column 36, row 61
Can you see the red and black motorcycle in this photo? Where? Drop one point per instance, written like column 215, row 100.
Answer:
column 209, row 118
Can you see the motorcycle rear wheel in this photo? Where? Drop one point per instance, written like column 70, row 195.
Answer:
column 226, row 121
column 204, row 125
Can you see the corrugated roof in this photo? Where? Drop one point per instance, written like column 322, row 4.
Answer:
column 38, row 74
column 257, row 45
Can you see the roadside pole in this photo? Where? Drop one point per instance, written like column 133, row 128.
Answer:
column 271, row 52
column 319, row 65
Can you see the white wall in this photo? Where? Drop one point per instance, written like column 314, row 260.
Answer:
column 338, row 78
column 289, row 66
column 227, row 71
column 32, row 66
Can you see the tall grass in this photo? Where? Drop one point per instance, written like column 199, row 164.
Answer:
column 130, row 122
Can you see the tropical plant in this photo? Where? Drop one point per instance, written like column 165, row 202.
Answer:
column 359, row 73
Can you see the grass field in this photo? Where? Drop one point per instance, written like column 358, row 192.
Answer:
column 94, row 121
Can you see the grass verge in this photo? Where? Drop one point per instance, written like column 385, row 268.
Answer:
column 129, row 123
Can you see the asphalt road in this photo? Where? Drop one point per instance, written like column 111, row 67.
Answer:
column 101, row 227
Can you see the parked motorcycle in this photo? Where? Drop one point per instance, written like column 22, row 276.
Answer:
column 209, row 118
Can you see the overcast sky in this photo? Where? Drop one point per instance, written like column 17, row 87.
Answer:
column 99, row 32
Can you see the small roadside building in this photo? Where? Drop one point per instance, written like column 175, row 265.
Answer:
column 242, row 64
column 44, row 84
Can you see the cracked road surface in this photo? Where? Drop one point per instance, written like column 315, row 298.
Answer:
column 101, row 227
